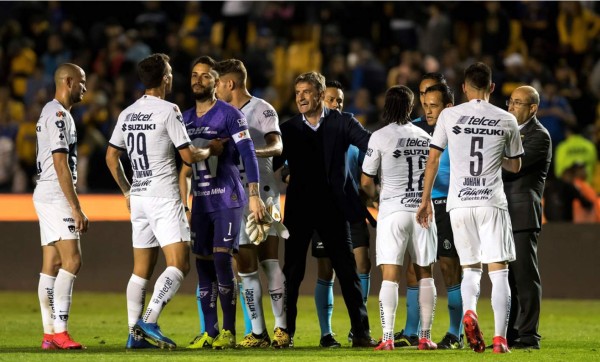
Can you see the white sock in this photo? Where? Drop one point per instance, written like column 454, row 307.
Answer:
column 136, row 298
column 388, row 303
column 46, row 296
column 253, row 298
column 500, row 301
column 470, row 288
column 427, row 300
column 165, row 288
column 276, row 284
column 63, row 294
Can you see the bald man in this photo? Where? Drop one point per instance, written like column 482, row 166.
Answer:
column 56, row 203
column 524, row 193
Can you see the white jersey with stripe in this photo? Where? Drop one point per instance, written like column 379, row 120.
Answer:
column 55, row 132
column 147, row 131
column 399, row 153
column 262, row 120
column 478, row 136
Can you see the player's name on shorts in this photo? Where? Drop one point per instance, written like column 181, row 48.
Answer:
column 215, row 191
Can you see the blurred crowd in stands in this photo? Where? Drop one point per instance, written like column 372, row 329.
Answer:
column 366, row 46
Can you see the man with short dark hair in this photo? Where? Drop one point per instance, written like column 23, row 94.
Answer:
column 322, row 197
column 481, row 139
column 147, row 131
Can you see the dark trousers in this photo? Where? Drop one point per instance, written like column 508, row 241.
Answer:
column 335, row 234
column 526, row 290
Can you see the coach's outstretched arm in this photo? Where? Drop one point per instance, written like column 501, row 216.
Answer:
column 113, row 161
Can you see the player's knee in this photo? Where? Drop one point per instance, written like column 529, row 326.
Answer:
column 72, row 265
column 363, row 266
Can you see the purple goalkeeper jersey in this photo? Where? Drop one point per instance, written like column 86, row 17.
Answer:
column 216, row 181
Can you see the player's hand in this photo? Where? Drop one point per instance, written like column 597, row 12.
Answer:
column 216, row 146
column 257, row 207
column 81, row 221
column 425, row 214
column 188, row 215
column 127, row 201
column 257, row 231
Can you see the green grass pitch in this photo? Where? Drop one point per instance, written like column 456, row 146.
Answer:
column 570, row 330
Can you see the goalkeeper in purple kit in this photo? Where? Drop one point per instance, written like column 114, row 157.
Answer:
column 218, row 201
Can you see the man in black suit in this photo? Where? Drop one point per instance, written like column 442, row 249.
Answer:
column 524, row 192
column 321, row 197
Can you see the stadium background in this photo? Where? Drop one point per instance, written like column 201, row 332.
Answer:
column 367, row 46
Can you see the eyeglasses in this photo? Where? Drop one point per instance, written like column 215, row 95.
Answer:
column 510, row 102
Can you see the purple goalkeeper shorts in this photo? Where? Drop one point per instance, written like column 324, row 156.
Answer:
column 217, row 229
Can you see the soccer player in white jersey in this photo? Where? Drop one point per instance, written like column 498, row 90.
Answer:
column 481, row 139
column 263, row 124
column 398, row 153
column 57, row 206
column 147, row 131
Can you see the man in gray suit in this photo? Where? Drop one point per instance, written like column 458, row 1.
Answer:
column 524, row 192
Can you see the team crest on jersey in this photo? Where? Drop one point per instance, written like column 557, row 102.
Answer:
column 242, row 122
column 269, row 113
column 60, row 124
column 60, row 114
column 234, row 197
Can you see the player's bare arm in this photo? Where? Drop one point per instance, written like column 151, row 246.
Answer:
column 511, row 164
column 367, row 184
column 255, row 204
column 184, row 188
column 425, row 211
column 274, row 146
column 113, row 161
column 65, row 180
column 193, row 154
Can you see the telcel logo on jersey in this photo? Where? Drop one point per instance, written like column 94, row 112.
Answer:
column 412, row 142
column 472, row 120
column 138, row 117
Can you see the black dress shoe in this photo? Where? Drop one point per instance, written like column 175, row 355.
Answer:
column 364, row 342
column 327, row 341
column 523, row 345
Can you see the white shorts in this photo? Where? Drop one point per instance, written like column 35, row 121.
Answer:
column 56, row 222
column 482, row 235
column 399, row 232
column 157, row 221
column 244, row 239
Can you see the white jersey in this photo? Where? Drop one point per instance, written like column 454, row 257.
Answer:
column 478, row 135
column 56, row 132
column 400, row 152
column 262, row 120
column 147, row 131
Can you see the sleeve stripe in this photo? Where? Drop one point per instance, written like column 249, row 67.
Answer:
column 436, row 147
column 369, row 175
column 273, row 132
column 60, row 150
column 517, row 156
column 117, row 147
column 185, row 145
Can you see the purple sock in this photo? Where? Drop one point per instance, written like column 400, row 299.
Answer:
column 207, row 285
column 227, row 289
